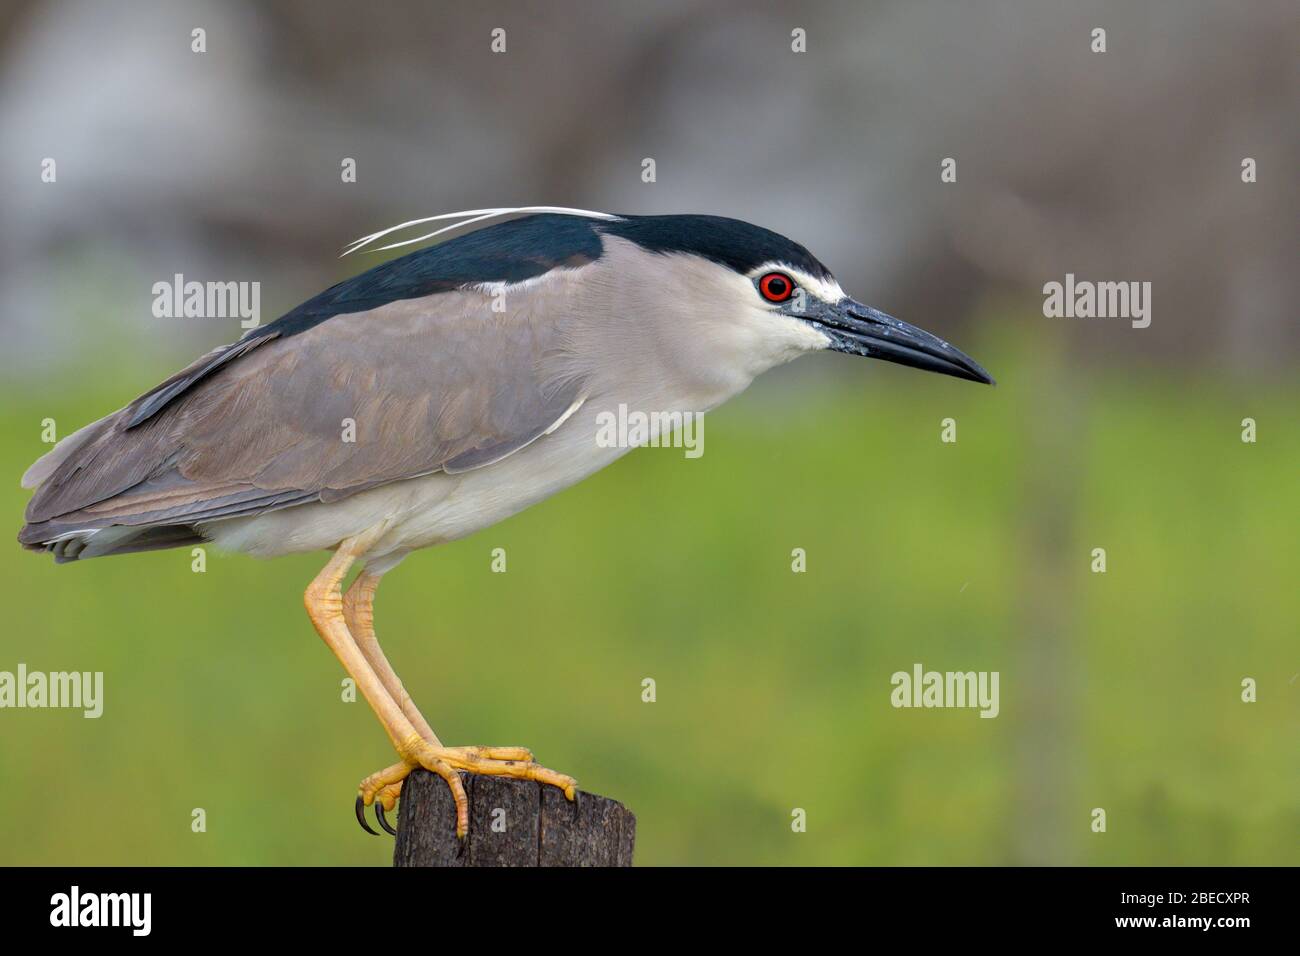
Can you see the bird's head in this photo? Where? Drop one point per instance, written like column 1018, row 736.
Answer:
column 781, row 293
column 722, row 300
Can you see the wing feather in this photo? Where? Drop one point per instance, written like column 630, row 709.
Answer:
column 412, row 387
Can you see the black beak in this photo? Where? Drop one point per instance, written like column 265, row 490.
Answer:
column 861, row 330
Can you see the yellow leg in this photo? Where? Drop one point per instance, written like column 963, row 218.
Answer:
column 359, row 612
column 325, row 606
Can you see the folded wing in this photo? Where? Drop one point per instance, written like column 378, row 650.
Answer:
column 313, row 412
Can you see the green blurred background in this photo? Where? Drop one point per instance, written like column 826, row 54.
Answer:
column 1119, row 690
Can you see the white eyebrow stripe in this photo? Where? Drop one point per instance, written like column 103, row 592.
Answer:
column 828, row 290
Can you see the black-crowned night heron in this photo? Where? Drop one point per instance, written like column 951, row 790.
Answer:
column 473, row 373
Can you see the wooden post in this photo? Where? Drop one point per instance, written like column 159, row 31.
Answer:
column 511, row 823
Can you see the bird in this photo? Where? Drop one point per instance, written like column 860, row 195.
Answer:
column 436, row 394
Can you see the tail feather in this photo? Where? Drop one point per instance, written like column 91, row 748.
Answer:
column 104, row 542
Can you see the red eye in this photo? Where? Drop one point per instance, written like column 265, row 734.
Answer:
column 776, row 286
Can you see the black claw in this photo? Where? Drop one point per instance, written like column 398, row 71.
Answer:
column 383, row 820
column 361, row 817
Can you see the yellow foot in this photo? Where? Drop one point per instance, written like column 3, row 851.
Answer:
column 383, row 787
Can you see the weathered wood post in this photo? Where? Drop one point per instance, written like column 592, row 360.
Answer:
column 511, row 823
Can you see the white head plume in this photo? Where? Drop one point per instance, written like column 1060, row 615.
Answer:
column 468, row 217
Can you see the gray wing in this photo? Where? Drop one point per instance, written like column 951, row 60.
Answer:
column 415, row 386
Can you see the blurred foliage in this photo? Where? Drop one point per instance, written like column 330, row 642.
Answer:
column 773, row 687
